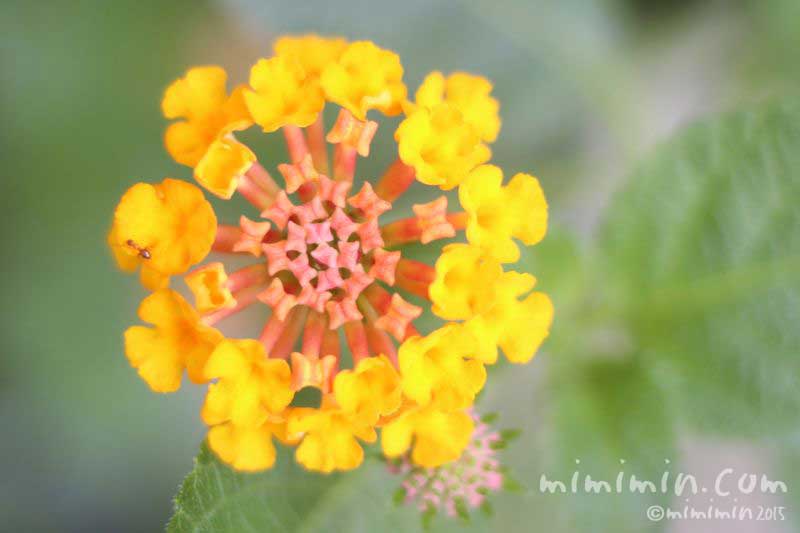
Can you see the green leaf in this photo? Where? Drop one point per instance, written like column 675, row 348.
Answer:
column 703, row 250
column 461, row 509
column 510, row 484
column 490, row 418
column 399, row 496
column 498, row 445
column 510, row 434
column 215, row 498
column 610, row 417
column 487, row 509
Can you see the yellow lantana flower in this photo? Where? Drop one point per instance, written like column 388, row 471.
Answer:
column 245, row 406
column 517, row 326
column 247, row 448
column 464, row 281
column 360, row 396
column 178, row 341
column 283, row 93
column 498, row 214
column 440, row 145
column 471, row 285
column 249, row 387
column 321, row 256
column 366, row 77
column 210, row 117
column 470, row 94
column 329, row 438
column 438, row 436
column 312, row 51
column 164, row 228
column 437, row 369
column 371, row 390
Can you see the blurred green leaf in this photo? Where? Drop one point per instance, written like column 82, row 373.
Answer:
column 610, row 417
column 703, row 251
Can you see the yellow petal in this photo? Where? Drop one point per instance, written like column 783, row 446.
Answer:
column 440, row 437
column 330, row 439
column 200, row 98
column 464, row 282
column 244, row 448
column 209, row 286
column 530, row 208
column 223, row 164
column 178, row 341
column 396, row 436
column 497, row 214
column 439, row 369
column 198, row 94
column 371, row 390
column 313, row 52
column 166, row 227
column 187, row 142
column 440, row 146
column 472, row 96
column 159, row 363
column 431, row 92
column 527, row 327
column 365, row 77
column 250, row 387
column 283, row 93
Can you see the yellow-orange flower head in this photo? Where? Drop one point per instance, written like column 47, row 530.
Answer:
column 325, row 264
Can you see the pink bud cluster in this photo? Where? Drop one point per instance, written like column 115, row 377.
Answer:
column 468, row 480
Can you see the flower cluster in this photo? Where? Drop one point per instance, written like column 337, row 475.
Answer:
column 323, row 262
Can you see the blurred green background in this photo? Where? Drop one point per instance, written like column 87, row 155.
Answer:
column 587, row 88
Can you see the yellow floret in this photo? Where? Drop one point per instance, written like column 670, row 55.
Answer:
column 164, row 228
column 283, row 93
column 497, row 214
column 366, row 77
column 471, row 95
column 437, row 369
column 200, row 98
column 249, row 387
column 438, row 436
column 177, row 341
column 440, row 146
column 329, row 438
column 246, row 448
column 371, row 390
column 312, row 51
column 464, row 281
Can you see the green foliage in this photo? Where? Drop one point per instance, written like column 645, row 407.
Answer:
column 704, row 248
column 610, row 417
column 215, row 498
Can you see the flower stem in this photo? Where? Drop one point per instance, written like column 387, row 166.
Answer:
column 315, row 135
column 397, row 179
column 357, row 340
column 295, row 143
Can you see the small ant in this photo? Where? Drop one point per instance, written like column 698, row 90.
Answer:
column 144, row 253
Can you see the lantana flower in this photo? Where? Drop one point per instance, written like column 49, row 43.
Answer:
column 341, row 296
